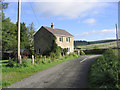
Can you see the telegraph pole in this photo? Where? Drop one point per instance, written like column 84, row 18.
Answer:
column 117, row 36
column 18, row 56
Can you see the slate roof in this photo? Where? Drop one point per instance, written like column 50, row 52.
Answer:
column 59, row 32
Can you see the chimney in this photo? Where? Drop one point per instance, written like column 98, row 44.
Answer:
column 52, row 25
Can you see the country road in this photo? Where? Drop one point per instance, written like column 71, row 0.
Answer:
column 69, row 74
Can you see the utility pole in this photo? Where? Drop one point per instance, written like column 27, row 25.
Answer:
column 18, row 56
column 117, row 36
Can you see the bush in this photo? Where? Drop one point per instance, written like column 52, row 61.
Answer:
column 65, row 50
column 82, row 53
column 52, row 56
column 105, row 71
column 37, row 59
column 26, row 63
column 75, row 55
column 12, row 63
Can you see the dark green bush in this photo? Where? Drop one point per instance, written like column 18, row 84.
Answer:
column 12, row 63
column 26, row 63
column 52, row 56
column 104, row 72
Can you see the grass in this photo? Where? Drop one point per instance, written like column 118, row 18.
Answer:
column 98, row 46
column 11, row 75
column 105, row 71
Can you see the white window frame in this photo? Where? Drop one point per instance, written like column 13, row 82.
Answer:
column 68, row 39
column 60, row 39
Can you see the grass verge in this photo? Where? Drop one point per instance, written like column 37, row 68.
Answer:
column 105, row 71
column 11, row 75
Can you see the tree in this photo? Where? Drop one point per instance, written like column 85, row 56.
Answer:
column 31, row 32
column 24, row 38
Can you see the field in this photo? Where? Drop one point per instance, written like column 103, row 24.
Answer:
column 98, row 46
column 11, row 75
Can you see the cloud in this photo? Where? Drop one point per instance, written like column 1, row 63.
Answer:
column 89, row 21
column 68, row 10
column 96, row 32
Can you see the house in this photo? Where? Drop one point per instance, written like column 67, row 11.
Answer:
column 43, row 39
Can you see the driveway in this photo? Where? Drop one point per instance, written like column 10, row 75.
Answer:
column 69, row 74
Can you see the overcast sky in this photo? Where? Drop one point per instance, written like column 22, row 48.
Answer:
column 86, row 20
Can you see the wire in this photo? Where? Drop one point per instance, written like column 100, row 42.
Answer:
column 34, row 14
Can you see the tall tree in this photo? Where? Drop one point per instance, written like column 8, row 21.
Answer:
column 31, row 32
column 24, row 36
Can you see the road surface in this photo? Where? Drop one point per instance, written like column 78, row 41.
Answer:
column 69, row 74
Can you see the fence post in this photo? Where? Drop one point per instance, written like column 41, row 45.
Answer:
column 20, row 60
column 45, row 58
column 33, row 59
column 78, row 52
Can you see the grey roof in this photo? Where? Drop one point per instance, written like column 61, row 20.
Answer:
column 59, row 32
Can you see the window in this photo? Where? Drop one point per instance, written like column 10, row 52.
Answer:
column 61, row 39
column 68, row 39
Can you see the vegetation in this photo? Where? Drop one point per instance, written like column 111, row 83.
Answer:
column 80, row 42
column 14, row 73
column 105, row 71
column 98, row 46
column 9, row 34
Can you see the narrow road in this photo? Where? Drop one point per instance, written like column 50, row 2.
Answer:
column 69, row 74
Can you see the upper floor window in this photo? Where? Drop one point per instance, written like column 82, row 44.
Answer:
column 68, row 39
column 61, row 39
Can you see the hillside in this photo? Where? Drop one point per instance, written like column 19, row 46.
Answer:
column 84, row 45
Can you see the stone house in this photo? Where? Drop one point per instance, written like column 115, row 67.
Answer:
column 43, row 39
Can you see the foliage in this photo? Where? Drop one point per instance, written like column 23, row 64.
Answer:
column 31, row 32
column 65, row 50
column 52, row 56
column 11, row 63
column 105, row 71
column 82, row 52
column 25, row 62
column 75, row 55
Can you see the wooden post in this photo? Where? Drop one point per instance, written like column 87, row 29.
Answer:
column 78, row 52
column 33, row 59
column 45, row 58
column 117, row 36
column 19, row 6
column 117, row 41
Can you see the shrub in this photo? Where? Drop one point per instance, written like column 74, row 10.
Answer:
column 37, row 58
column 82, row 53
column 75, row 55
column 65, row 50
column 105, row 71
column 52, row 56
column 26, row 63
column 12, row 63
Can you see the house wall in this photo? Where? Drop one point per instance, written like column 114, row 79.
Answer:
column 42, row 40
column 65, row 44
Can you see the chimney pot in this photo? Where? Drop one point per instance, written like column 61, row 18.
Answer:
column 52, row 25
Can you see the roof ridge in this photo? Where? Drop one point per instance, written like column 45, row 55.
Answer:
column 57, row 31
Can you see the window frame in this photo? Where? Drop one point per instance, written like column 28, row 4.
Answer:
column 60, row 39
column 68, row 39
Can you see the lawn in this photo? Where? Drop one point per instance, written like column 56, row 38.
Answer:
column 11, row 75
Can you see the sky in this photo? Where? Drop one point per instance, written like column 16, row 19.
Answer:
column 85, row 20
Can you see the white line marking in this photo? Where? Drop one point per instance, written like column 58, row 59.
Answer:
column 87, row 58
column 83, row 60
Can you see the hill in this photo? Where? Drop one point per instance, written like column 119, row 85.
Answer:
column 101, row 44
